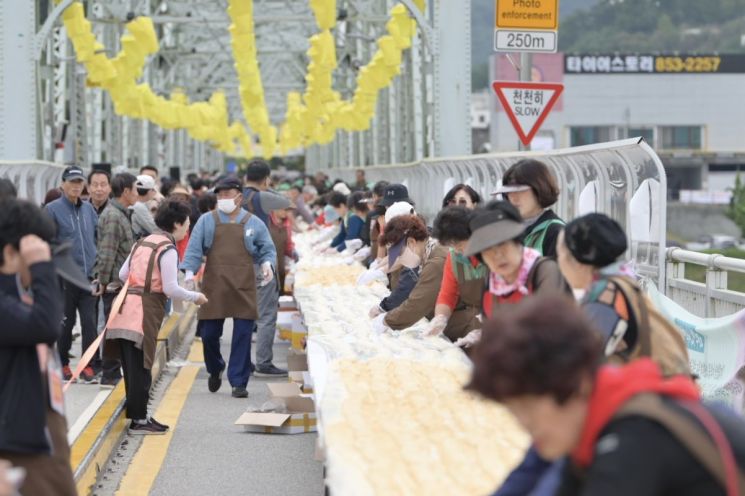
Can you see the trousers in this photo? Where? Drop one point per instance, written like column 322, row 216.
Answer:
column 239, row 363
column 266, row 326
column 77, row 301
column 137, row 379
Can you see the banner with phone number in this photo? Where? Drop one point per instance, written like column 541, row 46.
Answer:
column 716, row 347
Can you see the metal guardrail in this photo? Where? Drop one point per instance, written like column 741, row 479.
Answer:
column 711, row 298
column 623, row 179
column 33, row 178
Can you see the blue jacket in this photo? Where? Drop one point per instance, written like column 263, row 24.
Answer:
column 258, row 241
column 533, row 477
column 351, row 229
column 76, row 223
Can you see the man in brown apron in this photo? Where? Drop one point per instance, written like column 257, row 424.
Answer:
column 233, row 240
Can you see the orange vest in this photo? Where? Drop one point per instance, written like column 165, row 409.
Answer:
column 143, row 309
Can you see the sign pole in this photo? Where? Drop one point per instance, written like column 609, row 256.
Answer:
column 526, row 71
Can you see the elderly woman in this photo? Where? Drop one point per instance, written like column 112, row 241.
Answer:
column 409, row 249
column 451, row 232
column 589, row 251
column 462, row 195
column 625, row 430
column 530, row 187
column 151, row 271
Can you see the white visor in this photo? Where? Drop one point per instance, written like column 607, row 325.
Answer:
column 514, row 188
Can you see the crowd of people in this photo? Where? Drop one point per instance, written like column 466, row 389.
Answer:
column 550, row 312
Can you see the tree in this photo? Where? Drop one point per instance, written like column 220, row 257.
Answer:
column 736, row 210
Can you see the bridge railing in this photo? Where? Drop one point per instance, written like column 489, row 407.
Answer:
column 710, row 298
column 623, row 179
column 32, row 178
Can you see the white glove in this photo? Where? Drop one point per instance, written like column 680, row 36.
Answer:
column 436, row 326
column 266, row 274
column 469, row 339
column 375, row 311
column 362, row 253
column 349, row 260
column 330, row 250
column 378, row 324
column 379, row 263
column 353, row 244
column 369, row 276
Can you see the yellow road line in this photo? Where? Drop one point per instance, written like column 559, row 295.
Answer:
column 149, row 458
column 196, row 354
column 87, row 438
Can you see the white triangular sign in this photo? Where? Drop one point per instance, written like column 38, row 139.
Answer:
column 527, row 104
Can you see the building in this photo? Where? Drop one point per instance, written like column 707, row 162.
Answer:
column 690, row 108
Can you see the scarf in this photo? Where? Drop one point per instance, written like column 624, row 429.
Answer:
column 614, row 386
column 498, row 286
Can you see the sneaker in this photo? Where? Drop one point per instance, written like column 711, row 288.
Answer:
column 270, row 371
column 149, row 427
column 215, row 381
column 87, row 376
column 108, row 382
column 164, row 426
column 66, row 373
column 239, row 392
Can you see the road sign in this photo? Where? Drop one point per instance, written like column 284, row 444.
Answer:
column 527, row 14
column 526, row 26
column 527, row 104
column 510, row 40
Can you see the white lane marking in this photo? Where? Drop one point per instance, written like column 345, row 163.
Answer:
column 87, row 415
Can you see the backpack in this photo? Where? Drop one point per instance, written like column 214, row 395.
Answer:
column 657, row 338
column 705, row 440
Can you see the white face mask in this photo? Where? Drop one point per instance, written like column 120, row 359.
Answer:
column 226, row 205
column 579, row 294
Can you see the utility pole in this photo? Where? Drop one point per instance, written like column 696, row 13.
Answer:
column 526, row 72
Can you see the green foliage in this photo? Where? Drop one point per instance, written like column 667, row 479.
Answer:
column 736, row 210
column 655, row 26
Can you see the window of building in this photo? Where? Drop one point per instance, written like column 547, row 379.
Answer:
column 589, row 135
column 644, row 132
column 680, row 137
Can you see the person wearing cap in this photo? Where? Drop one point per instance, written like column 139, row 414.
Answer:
column 532, row 189
column 383, row 268
column 392, row 193
column 589, row 252
column 259, row 201
column 115, row 240
column 457, row 314
column 33, row 429
column 516, row 271
column 76, row 222
column 240, row 256
column 420, row 259
column 142, row 220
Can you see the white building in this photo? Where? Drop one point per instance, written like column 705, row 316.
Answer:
column 691, row 109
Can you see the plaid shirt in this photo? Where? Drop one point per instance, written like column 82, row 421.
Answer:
column 115, row 240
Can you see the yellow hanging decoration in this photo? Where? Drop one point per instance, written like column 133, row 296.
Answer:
column 204, row 121
column 250, row 87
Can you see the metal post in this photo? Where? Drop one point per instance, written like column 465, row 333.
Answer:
column 18, row 98
column 526, row 74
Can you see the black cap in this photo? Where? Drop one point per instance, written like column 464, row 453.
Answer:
column 228, row 183
column 595, row 239
column 395, row 193
column 73, row 173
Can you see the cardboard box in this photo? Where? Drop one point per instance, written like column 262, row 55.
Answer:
column 287, row 303
column 297, row 361
column 299, row 418
column 303, row 379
